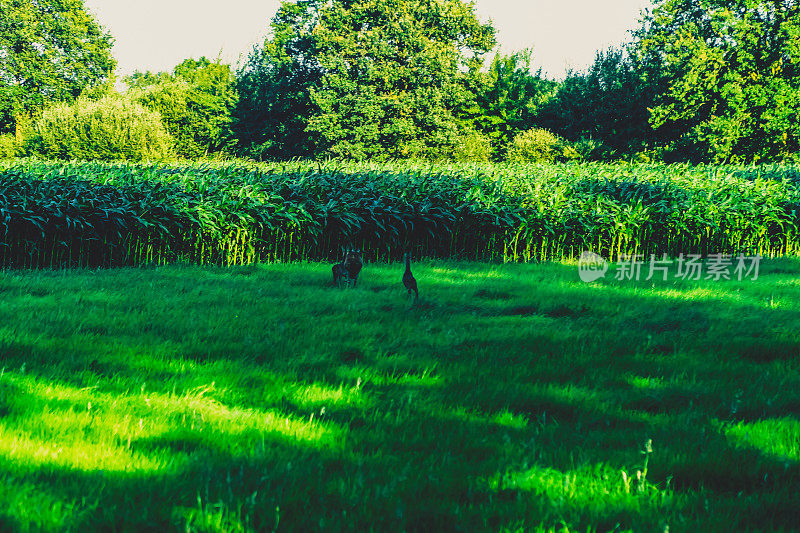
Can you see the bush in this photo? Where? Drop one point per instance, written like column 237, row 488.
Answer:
column 472, row 146
column 538, row 145
column 8, row 146
column 113, row 127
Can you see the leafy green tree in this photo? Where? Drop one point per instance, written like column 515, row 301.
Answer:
column 195, row 104
column 607, row 104
column 274, row 103
column 510, row 98
column 730, row 80
column 50, row 51
column 362, row 79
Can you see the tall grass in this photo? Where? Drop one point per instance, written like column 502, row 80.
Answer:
column 98, row 214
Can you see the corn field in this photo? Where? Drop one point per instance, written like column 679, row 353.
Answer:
column 55, row 215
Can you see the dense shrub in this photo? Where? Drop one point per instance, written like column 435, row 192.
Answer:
column 113, row 127
column 538, row 145
column 590, row 149
column 472, row 146
column 8, row 146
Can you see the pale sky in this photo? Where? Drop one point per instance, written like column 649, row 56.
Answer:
column 156, row 35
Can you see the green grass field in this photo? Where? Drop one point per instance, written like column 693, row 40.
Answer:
column 511, row 397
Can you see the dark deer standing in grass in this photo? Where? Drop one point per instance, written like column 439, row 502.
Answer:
column 409, row 281
column 348, row 269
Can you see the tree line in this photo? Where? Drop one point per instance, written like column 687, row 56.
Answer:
column 712, row 81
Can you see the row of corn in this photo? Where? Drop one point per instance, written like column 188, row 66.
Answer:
column 104, row 215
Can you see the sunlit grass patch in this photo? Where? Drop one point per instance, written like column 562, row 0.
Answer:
column 50, row 424
column 50, row 450
column 777, row 438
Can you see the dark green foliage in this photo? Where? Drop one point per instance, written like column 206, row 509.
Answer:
column 195, row 103
column 510, row 98
column 729, row 83
column 358, row 79
column 703, row 81
column 50, row 51
column 273, row 105
column 608, row 104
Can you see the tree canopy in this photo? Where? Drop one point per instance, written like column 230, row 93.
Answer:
column 712, row 81
column 729, row 87
column 195, row 103
column 608, row 103
column 510, row 98
column 50, row 51
column 362, row 78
